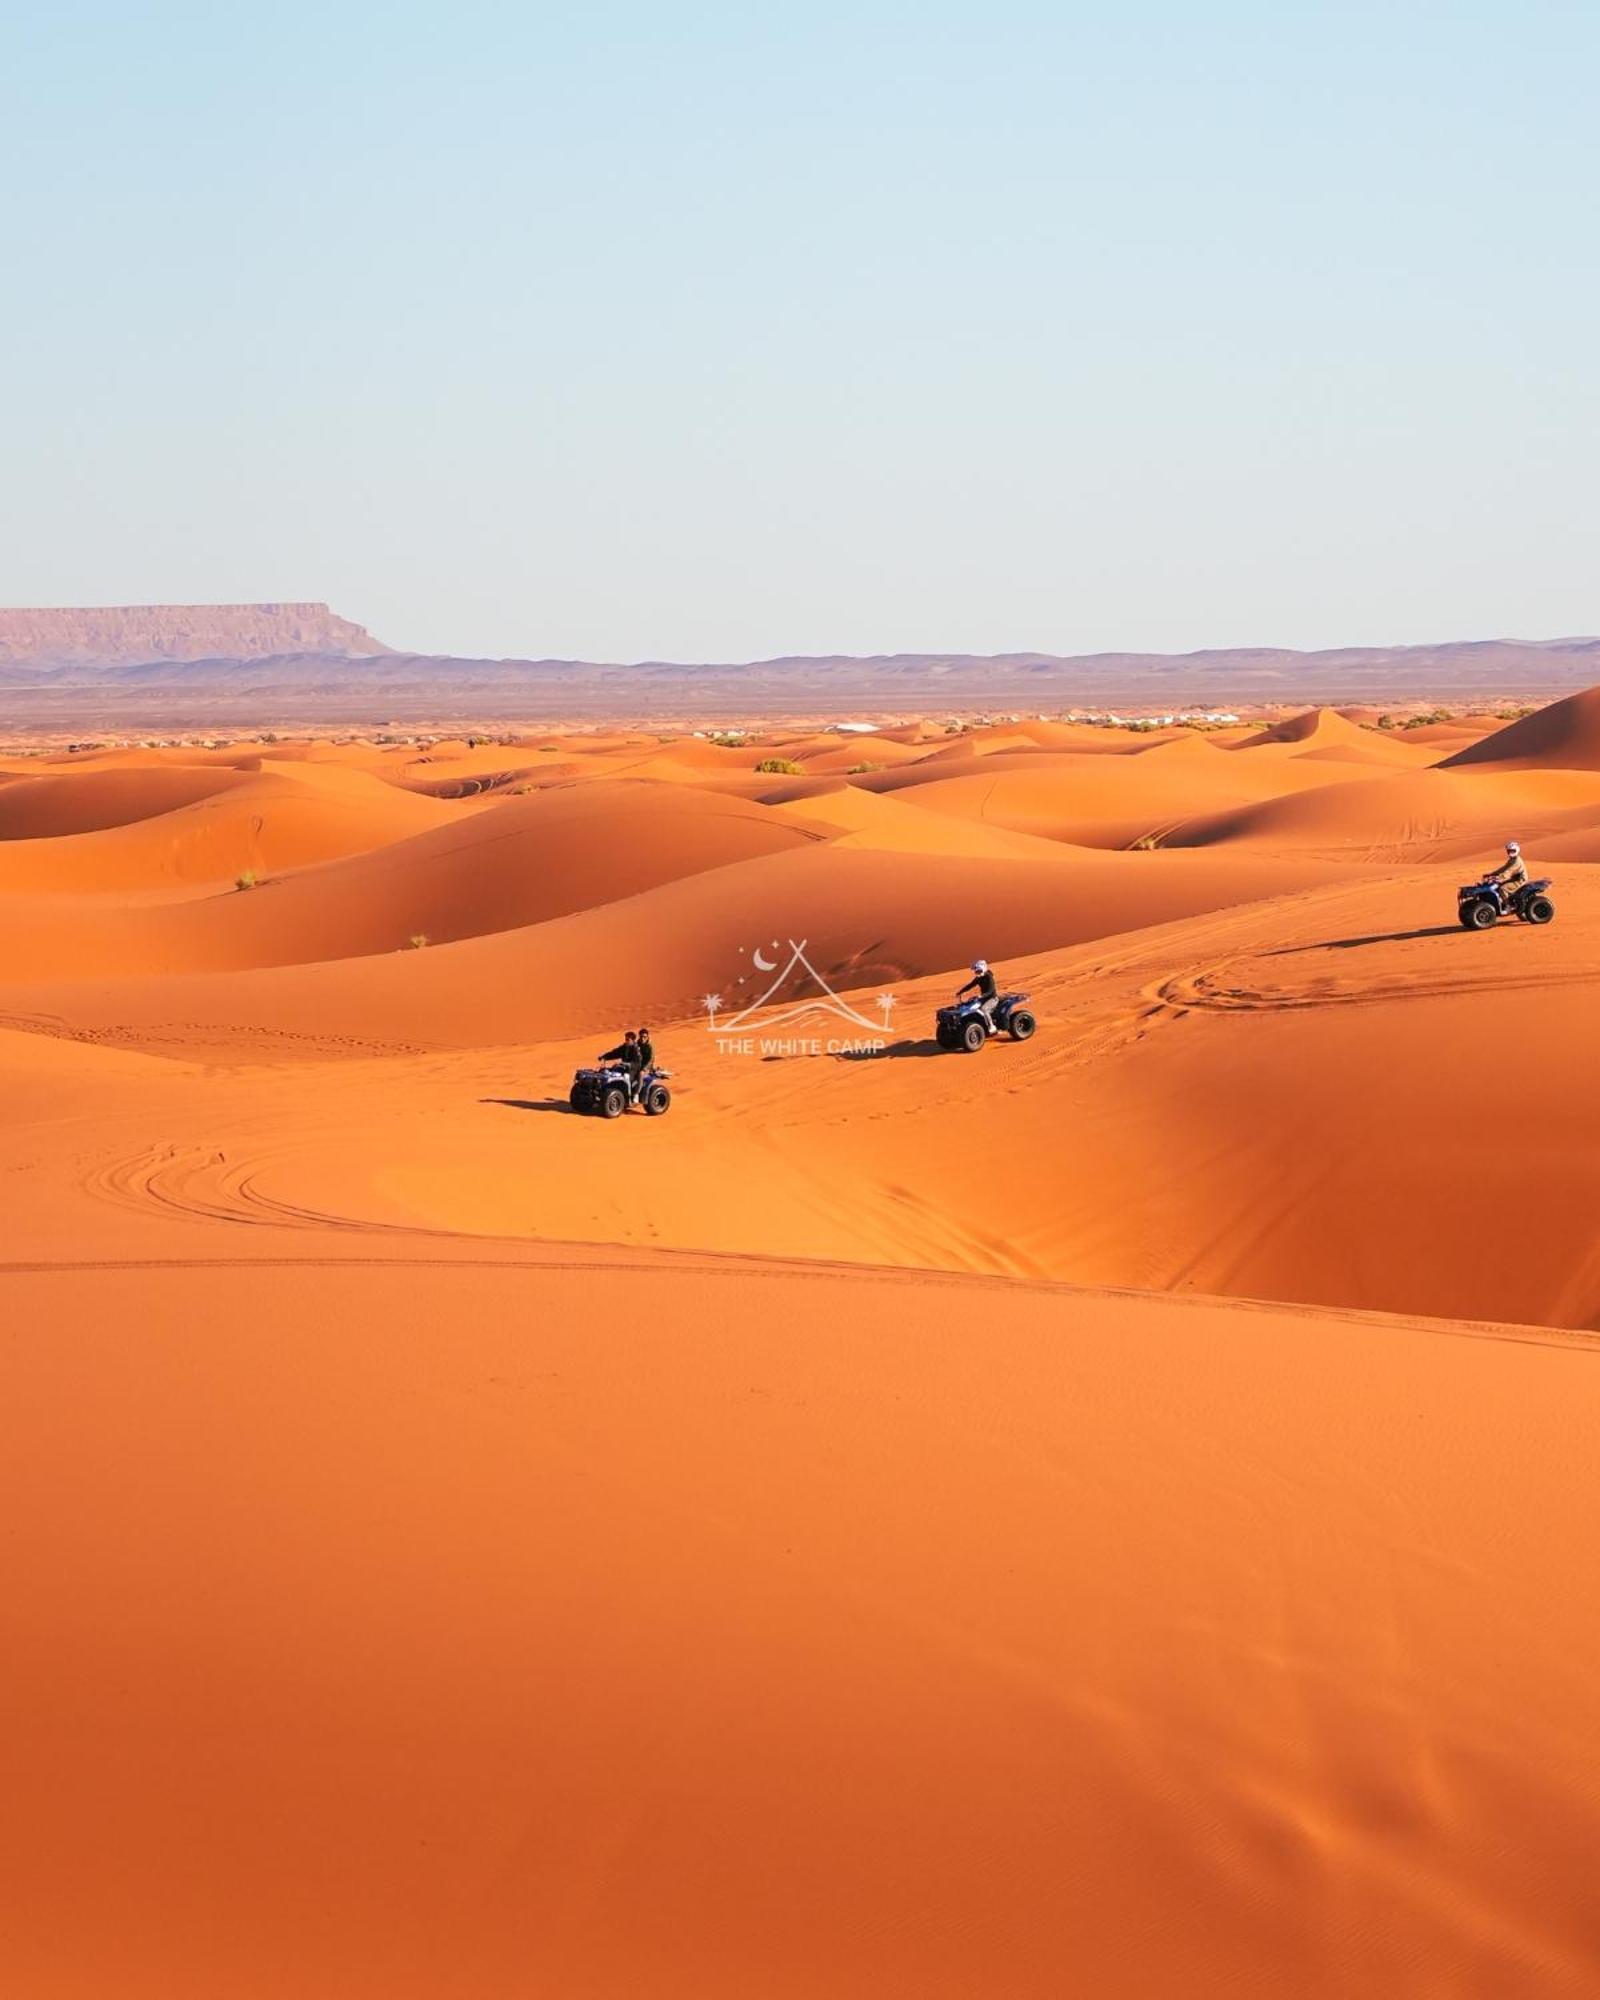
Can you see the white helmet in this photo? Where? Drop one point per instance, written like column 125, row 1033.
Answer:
column 980, row 965
column 1513, row 847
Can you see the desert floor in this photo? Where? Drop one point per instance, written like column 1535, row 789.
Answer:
column 1108, row 1515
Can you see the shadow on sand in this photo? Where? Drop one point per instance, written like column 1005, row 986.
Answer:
column 895, row 1052
column 1378, row 937
column 530, row 1103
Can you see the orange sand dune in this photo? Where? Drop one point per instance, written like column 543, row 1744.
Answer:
column 1565, row 736
column 902, row 1524
column 50, row 806
column 875, row 752
column 1153, row 1135
column 1325, row 736
column 260, row 824
column 1101, row 801
column 1387, row 758
column 518, row 862
column 1029, row 738
column 1415, row 816
column 872, row 912
column 1322, row 727
column 1454, row 735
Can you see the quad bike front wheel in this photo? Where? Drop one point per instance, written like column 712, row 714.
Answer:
column 1020, row 1025
column 973, row 1037
column 1480, row 916
column 614, row 1103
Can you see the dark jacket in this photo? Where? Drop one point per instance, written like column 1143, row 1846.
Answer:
column 625, row 1052
column 647, row 1052
column 984, row 982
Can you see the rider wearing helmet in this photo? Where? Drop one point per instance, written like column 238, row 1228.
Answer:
column 983, row 982
column 1511, row 875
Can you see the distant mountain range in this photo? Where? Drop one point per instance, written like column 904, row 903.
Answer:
column 267, row 662
column 116, row 635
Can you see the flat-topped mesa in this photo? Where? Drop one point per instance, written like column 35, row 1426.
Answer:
column 129, row 634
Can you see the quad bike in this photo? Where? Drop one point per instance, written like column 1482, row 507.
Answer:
column 607, row 1091
column 964, row 1025
column 1481, row 905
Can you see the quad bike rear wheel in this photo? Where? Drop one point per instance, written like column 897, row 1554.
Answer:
column 1540, row 910
column 1021, row 1024
column 657, row 1099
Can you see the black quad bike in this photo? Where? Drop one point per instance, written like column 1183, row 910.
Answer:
column 1481, row 905
column 608, row 1091
column 964, row 1025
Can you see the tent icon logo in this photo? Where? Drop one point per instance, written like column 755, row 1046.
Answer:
column 783, row 990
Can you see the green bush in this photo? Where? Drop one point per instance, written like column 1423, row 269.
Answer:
column 778, row 767
column 860, row 770
column 417, row 940
column 247, row 880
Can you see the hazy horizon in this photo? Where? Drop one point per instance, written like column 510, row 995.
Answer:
column 719, row 338
column 391, row 644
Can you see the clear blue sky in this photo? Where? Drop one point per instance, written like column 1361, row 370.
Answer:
column 714, row 330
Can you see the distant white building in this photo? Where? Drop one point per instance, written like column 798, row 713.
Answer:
column 855, row 728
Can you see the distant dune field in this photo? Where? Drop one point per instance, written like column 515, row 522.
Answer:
column 1104, row 1515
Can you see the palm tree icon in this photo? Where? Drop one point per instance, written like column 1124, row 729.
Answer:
column 888, row 1003
column 711, row 1002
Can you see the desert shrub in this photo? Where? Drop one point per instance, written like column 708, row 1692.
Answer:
column 778, row 767
column 727, row 739
column 859, row 770
column 417, row 940
column 247, row 880
column 1147, row 843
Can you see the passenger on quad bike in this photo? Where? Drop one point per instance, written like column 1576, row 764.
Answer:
column 627, row 1054
column 983, row 980
column 1511, row 875
column 647, row 1050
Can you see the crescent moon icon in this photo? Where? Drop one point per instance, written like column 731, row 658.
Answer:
column 763, row 964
